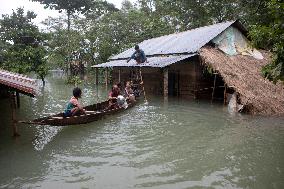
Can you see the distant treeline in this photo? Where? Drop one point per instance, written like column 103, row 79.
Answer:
column 93, row 30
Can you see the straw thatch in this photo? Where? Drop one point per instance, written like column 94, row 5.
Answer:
column 243, row 74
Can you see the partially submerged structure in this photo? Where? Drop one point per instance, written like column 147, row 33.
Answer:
column 210, row 61
column 11, row 84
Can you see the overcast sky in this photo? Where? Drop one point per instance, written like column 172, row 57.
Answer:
column 6, row 7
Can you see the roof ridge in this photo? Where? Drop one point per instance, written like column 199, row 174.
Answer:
column 232, row 21
column 189, row 41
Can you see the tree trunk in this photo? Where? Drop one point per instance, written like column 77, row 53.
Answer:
column 68, row 21
column 43, row 81
column 81, row 69
column 68, row 44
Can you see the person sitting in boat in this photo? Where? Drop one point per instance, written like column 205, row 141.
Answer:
column 119, row 85
column 138, row 55
column 129, row 94
column 73, row 107
column 112, row 97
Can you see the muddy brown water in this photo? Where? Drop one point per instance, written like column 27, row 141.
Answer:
column 174, row 144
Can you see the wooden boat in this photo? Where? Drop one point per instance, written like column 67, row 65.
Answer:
column 94, row 113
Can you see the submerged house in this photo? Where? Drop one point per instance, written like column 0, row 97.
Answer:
column 208, row 62
column 11, row 84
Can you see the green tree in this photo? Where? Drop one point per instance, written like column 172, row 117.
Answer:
column 126, row 6
column 99, row 8
column 122, row 29
column 79, row 45
column 253, row 12
column 191, row 13
column 70, row 6
column 22, row 44
column 64, row 43
column 270, row 35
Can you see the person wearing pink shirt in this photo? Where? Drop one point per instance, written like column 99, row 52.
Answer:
column 112, row 96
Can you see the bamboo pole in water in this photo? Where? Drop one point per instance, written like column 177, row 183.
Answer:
column 97, row 76
column 13, row 107
column 225, row 96
column 18, row 99
column 166, row 82
column 214, row 87
column 106, row 77
column 119, row 75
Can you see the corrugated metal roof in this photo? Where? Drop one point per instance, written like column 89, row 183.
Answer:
column 156, row 62
column 185, row 42
column 19, row 82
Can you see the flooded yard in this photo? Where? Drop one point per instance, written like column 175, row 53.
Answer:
column 173, row 144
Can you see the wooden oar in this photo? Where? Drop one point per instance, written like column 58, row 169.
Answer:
column 144, row 92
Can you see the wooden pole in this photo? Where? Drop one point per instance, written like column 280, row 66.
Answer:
column 97, row 76
column 225, row 95
column 214, row 87
column 119, row 75
column 106, row 78
column 97, row 84
column 178, row 91
column 195, row 80
column 18, row 99
column 13, row 107
column 166, row 82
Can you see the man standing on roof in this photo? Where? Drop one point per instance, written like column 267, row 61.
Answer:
column 138, row 55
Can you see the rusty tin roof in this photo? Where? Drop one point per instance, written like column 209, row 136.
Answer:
column 19, row 82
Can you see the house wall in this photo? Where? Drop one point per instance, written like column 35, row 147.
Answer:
column 152, row 78
column 191, row 82
column 185, row 79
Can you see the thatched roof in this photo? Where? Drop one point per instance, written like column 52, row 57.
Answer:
column 243, row 74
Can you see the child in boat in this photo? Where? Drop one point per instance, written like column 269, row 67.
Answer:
column 129, row 94
column 73, row 107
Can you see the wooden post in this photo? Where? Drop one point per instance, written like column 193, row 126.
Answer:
column 166, row 81
column 13, row 107
column 178, row 91
column 18, row 99
column 214, row 87
column 119, row 75
column 106, row 78
column 195, row 81
column 97, row 84
column 97, row 76
column 225, row 96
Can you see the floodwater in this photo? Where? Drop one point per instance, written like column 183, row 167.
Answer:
column 161, row 145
